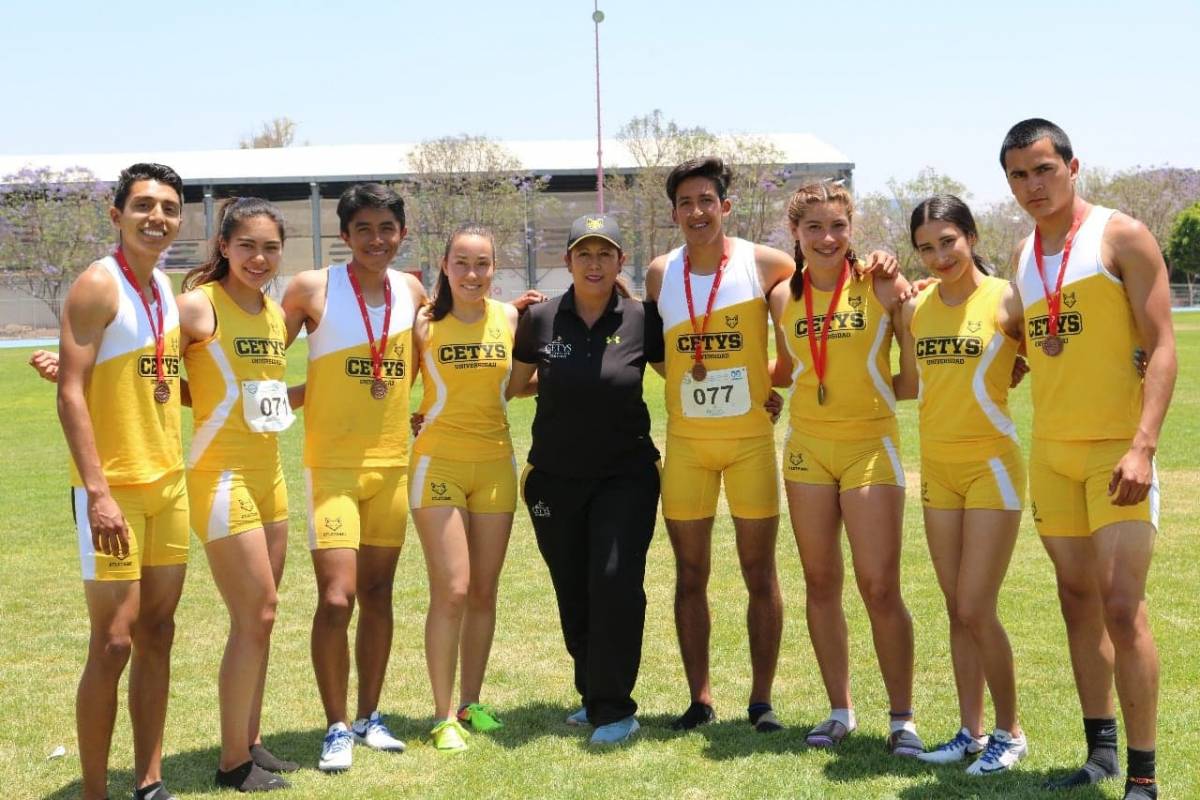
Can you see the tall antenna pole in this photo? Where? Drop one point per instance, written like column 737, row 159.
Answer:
column 597, row 18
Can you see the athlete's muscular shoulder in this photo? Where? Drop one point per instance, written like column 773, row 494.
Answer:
column 774, row 266
column 415, row 289
column 92, row 298
column 778, row 298
column 304, row 301
column 1129, row 245
column 654, row 276
column 197, row 319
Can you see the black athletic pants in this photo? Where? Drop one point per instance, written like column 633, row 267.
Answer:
column 593, row 535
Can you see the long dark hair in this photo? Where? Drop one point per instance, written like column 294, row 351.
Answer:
column 234, row 212
column 443, row 300
column 947, row 208
column 808, row 195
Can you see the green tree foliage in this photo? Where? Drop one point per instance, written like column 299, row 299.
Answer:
column 52, row 226
column 1183, row 244
column 881, row 218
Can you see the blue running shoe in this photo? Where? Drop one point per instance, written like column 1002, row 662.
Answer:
column 615, row 732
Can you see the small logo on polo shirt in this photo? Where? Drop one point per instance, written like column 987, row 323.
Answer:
column 540, row 510
column 614, row 339
column 557, row 349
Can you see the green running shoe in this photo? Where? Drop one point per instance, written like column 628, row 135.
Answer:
column 449, row 736
column 481, row 718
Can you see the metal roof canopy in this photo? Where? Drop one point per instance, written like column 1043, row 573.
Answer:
column 354, row 163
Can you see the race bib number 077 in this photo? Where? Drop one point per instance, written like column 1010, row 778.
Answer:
column 722, row 393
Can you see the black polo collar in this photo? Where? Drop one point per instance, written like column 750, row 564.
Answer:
column 616, row 303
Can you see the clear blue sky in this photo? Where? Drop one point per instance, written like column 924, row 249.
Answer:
column 895, row 85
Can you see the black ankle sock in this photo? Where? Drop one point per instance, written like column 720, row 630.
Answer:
column 269, row 761
column 250, row 777
column 763, row 718
column 1140, row 785
column 697, row 714
column 155, row 791
column 756, row 710
column 1101, row 764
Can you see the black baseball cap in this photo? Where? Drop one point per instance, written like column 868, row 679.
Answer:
column 602, row 226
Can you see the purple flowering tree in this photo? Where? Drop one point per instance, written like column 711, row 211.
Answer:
column 52, row 226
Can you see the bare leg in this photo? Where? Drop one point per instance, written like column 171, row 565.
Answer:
column 112, row 608
column 816, row 523
column 336, row 572
column 874, row 519
column 692, row 542
column 1123, row 552
column 487, row 537
column 764, row 613
column 447, row 561
column 241, row 569
column 373, row 640
column 276, row 533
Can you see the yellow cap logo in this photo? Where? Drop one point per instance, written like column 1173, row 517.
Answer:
column 594, row 223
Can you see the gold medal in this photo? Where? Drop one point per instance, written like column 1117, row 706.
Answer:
column 698, row 371
column 1052, row 345
column 162, row 392
column 379, row 389
column 820, row 394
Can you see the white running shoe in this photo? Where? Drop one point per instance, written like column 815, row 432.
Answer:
column 1002, row 753
column 962, row 746
column 337, row 749
column 375, row 735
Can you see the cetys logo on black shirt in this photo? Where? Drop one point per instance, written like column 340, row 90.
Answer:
column 146, row 367
column 711, row 342
column 843, row 322
column 472, row 353
column 361, row 368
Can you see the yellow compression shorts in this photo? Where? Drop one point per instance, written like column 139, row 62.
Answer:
column 993, row 483
column 1068, row 488
column 484, row 487
column 351, row 507
column 845, row 463
column 157, row 517
column 694, row 469
column 230, row 502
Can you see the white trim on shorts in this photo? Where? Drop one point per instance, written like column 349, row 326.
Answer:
column 1008, row 492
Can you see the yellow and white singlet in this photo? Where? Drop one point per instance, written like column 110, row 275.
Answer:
column 970, row 456
column 851, row 439
column 355, row 446
column 1087, row 400
column 463, row 455
column 137, row 438
column 717, row 428
column 240, row 403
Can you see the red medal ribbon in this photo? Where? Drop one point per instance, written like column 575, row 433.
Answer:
column 820, row 354
column 376, row 355
column 698, row 349
column 1054, row 301
column 159, row 343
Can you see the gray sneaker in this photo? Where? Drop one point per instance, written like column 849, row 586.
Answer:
column 905, row 743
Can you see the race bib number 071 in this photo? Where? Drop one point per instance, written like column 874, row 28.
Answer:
column 722, row 393
column 265, row 406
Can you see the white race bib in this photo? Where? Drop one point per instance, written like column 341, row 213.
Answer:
column 722, row 393
column 265, row 406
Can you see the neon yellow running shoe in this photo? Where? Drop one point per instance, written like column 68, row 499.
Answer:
column 481, row 718
column 449, row 736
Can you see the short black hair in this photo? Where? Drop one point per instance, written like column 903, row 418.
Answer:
column 1028, row 131
column 145, row 171
column 709, row 167
column 368, row 195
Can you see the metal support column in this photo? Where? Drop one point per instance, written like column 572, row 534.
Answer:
column 314, row 200
column 208, row 213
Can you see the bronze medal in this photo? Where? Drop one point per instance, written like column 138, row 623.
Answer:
column 699, row 371
column 1052, row 345
column 162, row 392
column 820, row 394
column 379, row 389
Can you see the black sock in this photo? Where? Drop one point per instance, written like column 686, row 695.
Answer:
column 697, row 714
column 250, row 777
column 269, row 761
column 1140, row 785
column 1101, row 762
column 763, row 718
column 155, row 791
column 756, row 710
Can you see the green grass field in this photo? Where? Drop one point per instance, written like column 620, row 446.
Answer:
column 536, row 755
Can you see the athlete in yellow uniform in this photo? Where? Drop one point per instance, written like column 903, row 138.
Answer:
column 1094, row 287
column 118, row 400
column 462, row 477
column 359, row 319
column 842, row 461
column 235, row 365
column 961, row 338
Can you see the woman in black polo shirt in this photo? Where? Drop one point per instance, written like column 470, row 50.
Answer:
column 592, row 481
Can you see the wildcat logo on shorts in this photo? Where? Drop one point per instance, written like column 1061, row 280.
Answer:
column 925, row 492
column 362, row 368
column 334, row 526
column 147, row 368
column 797, row 461
column 557, row 349
column 713, row 343
column 843, row 322
column 540, row 510
column 439, row 491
